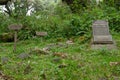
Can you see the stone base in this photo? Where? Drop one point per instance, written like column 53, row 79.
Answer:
column 104, row 39
column 104, row 46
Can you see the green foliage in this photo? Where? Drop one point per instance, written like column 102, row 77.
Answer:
column 62, row 22
column 112, row 3
column 81, row 62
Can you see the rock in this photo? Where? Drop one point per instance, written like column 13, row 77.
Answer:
column 62, row 55
column 4, row 60
column 46, row 49
column 38, row 51
column 114, row 63
column 63, row 65
column 23, row 56
column 69, row 42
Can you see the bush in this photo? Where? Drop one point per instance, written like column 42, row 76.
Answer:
column 63, row 23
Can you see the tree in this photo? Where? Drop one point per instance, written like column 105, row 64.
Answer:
column 77, row 5
column 16, row 8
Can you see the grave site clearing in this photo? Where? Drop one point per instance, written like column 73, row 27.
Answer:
column 60, row 61
column 59, row 39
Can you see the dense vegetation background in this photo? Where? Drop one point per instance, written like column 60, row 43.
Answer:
column 66, row 19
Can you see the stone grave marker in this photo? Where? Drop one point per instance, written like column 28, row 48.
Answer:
column 101, row 35
column 41, row 34
column 16, row 28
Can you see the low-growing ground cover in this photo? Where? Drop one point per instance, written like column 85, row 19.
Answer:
column 62, row 61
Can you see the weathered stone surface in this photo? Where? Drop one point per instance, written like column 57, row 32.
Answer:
column 107, row 39
column 63, row 65
column 69, row 42
column 101, row 35
column 23, row 56
column 38, row 51
column 41, row 34
column 100, row 30
column 107, row 46
column 100, row 22
column 15, row 27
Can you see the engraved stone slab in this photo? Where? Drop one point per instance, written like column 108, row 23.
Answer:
column 100, row 30
column 101, row 36
column 41, row 34
column 15, row 27
column 101, row 33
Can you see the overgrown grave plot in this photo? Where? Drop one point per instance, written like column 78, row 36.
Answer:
column 101, row 35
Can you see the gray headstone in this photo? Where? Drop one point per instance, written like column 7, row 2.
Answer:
column 101, row 35
column 101, row 32
column 23, row 56
column 100, row 29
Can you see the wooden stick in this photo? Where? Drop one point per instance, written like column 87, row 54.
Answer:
column 15, row 41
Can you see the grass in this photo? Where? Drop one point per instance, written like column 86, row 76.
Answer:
column 81, row 62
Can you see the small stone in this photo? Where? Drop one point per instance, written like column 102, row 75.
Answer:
column 62, row 65
column 23, row 56
column 46, row 49
column 114, row 63
column 4, row 60
column 69, row 42
column 39, row 51
column 62, row 55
